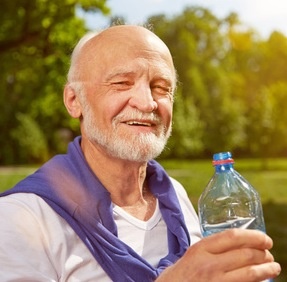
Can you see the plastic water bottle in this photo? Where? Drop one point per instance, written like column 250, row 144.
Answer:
column 229, row 201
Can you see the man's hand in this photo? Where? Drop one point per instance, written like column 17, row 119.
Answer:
column 234, row 255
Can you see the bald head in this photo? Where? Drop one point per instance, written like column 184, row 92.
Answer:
column 121, row 86
column 123, row 42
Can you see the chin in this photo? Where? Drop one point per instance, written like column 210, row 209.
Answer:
column 134, row 155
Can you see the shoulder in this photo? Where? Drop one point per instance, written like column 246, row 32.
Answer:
column 26, row 237
column 30, row 217
column 40, row 243
column 29, row 205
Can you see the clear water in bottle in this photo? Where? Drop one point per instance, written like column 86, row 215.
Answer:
column 239, row 222
column 229, row 200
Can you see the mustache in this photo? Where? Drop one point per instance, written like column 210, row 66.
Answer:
column 138, row 115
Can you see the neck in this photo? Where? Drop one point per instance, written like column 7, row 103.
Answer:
column 125, row 181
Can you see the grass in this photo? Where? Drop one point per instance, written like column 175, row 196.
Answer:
column 194, row 175
column 9, row 176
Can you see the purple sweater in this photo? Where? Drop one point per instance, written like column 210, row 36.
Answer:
column 69, row 186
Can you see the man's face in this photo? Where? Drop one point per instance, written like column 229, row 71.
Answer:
column 127, row 108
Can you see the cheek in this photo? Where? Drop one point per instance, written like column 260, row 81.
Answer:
column 110, row 108
column 165, row 110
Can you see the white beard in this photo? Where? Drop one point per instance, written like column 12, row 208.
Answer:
column 133, row 147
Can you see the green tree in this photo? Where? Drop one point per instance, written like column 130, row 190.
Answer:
column 36, row 37
column 200, row 48
column 31, row 139
column 187, row 129
column 262, row 66
column 268, row 119
column 230, row 92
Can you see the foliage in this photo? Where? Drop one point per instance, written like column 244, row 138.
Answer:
column 187, row 128
column 225, row 70
column 268, row 118
column 31, row 139
column 36, row 38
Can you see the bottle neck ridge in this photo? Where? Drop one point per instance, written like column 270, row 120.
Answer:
column 223, row 162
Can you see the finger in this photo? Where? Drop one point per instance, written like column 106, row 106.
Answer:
column 252, row 273
column 243, row 257
column 238, row 238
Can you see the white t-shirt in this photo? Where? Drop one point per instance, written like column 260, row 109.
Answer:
column 36, row 244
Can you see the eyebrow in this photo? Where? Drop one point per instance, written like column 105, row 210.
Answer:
column 127, row 72
column 167, row 78
column 119, row 72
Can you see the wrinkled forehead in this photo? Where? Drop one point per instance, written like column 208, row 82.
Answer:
column 123, row 43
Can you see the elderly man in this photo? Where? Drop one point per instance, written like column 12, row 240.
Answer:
column 106, row 210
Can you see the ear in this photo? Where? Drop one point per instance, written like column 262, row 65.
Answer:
column 71, row 102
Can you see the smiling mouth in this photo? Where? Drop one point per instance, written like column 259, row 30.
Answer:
column 139, row 123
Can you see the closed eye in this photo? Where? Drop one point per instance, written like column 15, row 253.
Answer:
column 162, row 90
column 122, row 85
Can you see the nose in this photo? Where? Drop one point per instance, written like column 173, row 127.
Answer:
column 142, row 99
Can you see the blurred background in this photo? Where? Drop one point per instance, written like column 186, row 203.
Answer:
column 232, row 72
column 231, row 59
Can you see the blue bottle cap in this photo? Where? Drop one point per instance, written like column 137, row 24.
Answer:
column 222, row 158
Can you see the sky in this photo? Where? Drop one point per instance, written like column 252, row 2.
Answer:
column 264, row 16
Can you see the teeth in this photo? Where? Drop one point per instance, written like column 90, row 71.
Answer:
column 138, row 123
